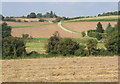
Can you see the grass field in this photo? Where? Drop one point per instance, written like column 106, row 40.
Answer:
column 39, row 44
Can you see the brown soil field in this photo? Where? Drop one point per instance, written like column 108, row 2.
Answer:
column 34, row 19
column 84, row 26
column 25, row 23
column 75, row 69
column 45, row 31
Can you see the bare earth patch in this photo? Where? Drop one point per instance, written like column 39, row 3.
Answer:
column 76, row 69
column 84, row 26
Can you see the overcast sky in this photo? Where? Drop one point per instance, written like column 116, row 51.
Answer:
column 68, row 9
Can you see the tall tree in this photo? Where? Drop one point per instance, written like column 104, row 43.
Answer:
column 6, row 30
column 99, row 28
column 113, row 40
column 108, row 27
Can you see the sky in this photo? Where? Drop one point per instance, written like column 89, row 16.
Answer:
column 67, row 9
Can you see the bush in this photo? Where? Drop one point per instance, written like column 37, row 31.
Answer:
column 42, row 20
column 19, row 21
column 81, row 51
column 92, row 46
column 83, row 34
column 33, row 53
column 67, row 47
column 25, row 36
column 93, row 33
column 10, row 19
column 25, row 21
column 52, row 42
column 13, row 47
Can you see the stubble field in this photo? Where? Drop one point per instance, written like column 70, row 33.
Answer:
column 76, row 69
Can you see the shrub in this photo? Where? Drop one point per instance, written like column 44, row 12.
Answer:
column 19, row 21
column 25, row 36
column 93, row 33
column 92, row 46
column 33, row 53
column 52, row 42
column 13, row 47
column 81, row 51
column 25, row 21
column 67, row 47
column 83, row 34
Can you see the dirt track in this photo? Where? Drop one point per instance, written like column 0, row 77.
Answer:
column 76, row 69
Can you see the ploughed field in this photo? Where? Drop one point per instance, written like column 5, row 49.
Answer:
column 38, row 30
column 46, row 30
column 68, row 69
column 84, row 26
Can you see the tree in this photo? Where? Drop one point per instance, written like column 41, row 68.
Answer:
column 113, row 40
column 92, row 45
column 6, row 30
column 108, row 27
column 39, row 15
column 52, row 42
column 13, row 47
column 32, row 15
column 99, row 28
column 83, row 34
column 67, row 47
column 1, row 17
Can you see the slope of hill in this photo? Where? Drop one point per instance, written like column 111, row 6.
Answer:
column 95, row 19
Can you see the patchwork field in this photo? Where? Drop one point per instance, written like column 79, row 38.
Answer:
column 84, row 26
column 44, row 31
column 76, row 69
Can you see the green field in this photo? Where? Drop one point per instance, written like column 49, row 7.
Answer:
column 39, row 44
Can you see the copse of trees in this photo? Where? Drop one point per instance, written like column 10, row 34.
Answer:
column 113, row 40
column 96, row 33
column 57, row 45
column 109, row 13
column 11, row 46
column 40, row 15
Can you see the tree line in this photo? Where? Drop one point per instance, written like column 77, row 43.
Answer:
column 109, row 13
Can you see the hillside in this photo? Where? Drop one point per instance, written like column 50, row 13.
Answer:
column 95, row 19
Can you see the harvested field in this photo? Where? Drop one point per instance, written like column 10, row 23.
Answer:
column 76, row 69
column 25, row 23
column 34, row 19
column 84, row 26
column 45, row 31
